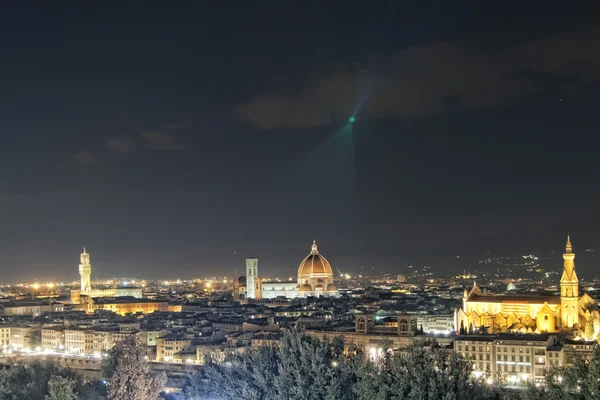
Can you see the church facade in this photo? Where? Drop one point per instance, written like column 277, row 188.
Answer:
column 532, row 314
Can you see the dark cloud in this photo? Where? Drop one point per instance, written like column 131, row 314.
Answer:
column 437, row 77
column 83, row 158
column 162, row 140
column 123, row 144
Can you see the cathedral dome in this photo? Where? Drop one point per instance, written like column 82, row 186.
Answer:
column 314, row 265
column 331, row 287
column 305, row 288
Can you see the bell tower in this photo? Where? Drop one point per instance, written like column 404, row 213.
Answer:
column 569, row 289
column 85, row 271
column 251, row 277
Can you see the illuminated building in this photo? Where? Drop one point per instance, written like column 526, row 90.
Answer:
column 517, row 359
column 314, row 278
column 171, row 346
column 29, row 307
column 123, row 305
column 20, row 337
column 374, row 340
column 251, row 276
column 90, row 341
column 85, row 271
column 53, row 338
column 530, row 314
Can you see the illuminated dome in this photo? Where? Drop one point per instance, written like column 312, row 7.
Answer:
column 315, row 275
column 314, row 264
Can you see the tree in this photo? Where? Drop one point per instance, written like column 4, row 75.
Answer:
column 61, row 388
column 302, row 367
column 35, row 338
column 419, row 372
column 128, row 373
column 44, row 380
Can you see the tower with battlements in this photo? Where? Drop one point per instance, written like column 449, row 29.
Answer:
column 85, row 271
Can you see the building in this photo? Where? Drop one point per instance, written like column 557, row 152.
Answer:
column 124, row 305
column 4, row 336
column 28, row 307
column 374, row 340
column 79, row 341
column 85, row 271
column 86, row 289
column 171, row 346
column 20, row 337
column 252, row 278
column 53, row 338
column 266, row 339
column 436, row 324
column 314, row 278
column 516, row 358
column 533, row 314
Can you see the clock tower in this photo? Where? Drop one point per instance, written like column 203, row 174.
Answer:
column 85, row 271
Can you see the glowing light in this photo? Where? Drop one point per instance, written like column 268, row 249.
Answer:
column 352, row 119
column 36, row 286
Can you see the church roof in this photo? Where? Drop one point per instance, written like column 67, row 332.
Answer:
column 518, row 298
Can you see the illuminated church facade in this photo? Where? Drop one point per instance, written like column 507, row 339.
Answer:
column 315, row 278
column 532, row 314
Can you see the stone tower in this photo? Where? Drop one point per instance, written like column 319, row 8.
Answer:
column 251, row 276
column 85, row 271
column 569, row 289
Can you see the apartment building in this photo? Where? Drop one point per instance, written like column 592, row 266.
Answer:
column 20, row 337
column 53, row 338
column 516, row 359
column 170, row 346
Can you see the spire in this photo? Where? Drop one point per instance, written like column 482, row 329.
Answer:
column 314, row 249
column 84, row 250
column 569, row 247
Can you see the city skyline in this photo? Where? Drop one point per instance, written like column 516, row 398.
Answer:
column 193, row 137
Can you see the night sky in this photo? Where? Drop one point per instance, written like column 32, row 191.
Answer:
column 174, row 139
